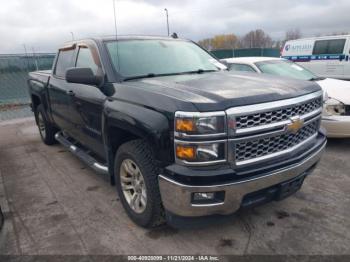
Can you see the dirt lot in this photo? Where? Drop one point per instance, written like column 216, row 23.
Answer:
column 58, row 206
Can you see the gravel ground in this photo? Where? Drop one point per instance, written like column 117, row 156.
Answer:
column 54, row 204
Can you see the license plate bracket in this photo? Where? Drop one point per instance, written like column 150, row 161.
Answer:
column 290, row 187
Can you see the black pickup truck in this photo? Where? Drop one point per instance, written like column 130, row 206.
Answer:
column 177, row 134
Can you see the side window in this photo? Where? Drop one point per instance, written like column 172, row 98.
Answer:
column 241, row 67
column 335, row 46
column 64, row 61
column 320, row 47
column 86, row 59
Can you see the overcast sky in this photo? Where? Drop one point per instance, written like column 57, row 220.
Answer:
column 45, row 24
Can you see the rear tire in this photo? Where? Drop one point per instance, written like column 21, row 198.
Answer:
column 46, row 130
column 136, row 176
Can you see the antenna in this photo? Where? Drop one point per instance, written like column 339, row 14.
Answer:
column 116, row 32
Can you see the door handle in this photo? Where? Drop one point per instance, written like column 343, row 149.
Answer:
column 70, row 93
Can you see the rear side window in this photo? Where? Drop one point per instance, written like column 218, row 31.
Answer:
column 241, row 67
column 86, row 59
column 64, row 61
column 335, row 46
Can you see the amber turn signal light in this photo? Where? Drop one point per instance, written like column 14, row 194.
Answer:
column 185, row 152
column 185, row 125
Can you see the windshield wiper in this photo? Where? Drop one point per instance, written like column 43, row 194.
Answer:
column 317, row 78
column 139, row 77
column 200, row 71
column 150, row 75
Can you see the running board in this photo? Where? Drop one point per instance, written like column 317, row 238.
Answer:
column 82, row 155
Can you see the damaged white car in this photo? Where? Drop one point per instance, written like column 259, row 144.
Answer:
column 336, row 113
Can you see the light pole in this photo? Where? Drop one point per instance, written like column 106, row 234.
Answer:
column 167, row 20
column 72, row 36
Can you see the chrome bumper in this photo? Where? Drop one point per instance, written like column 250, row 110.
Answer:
column 177, row 197
column 337, row 126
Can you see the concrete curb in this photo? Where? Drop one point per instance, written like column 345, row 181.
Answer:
column 7, row 228
column 17, row 121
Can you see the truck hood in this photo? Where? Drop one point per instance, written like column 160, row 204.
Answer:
column 337, row 89
column 222, row 90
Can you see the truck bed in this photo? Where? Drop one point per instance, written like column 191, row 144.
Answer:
column 40, row 76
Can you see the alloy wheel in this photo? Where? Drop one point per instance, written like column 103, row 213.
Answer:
column 133, row 185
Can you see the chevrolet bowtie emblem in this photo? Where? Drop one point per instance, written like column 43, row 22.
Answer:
column 296, row 124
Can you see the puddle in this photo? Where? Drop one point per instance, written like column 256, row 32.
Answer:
column 164, row 231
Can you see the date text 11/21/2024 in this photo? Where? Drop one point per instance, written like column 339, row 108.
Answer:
column 173, row 258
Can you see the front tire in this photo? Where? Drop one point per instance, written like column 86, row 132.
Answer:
column 136, row 179
column 46, row 130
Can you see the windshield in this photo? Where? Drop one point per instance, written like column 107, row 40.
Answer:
column 285, row 68
column 133, row 58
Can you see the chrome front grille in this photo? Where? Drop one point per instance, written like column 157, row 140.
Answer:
column 260, row 147
column 274, row 116
column 265, row 131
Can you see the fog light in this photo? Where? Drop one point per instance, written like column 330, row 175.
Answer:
column 203, row 196
column 185, row 152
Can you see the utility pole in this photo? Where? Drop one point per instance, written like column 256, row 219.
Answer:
column 167, row 19
column 35, row 59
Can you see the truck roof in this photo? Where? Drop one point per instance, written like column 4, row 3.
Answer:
column 138, row 37
column 126, row 37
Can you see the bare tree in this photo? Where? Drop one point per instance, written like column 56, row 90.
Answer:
column 256, row 39
column 293, row 34
column 205, row 43
column 278, row 44
column 340, row 33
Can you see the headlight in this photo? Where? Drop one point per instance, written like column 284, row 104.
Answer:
column 203, row 137
column 333, row 107
column 197, row 124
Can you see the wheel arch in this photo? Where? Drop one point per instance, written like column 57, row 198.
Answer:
column 123, row 122
column 36, row 101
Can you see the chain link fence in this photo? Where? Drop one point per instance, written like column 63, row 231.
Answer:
column 228, row 53
column 14, row 69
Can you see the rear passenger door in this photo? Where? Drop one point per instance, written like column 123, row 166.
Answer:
column 58, row 88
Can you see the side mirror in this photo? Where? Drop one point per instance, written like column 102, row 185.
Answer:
column 81, row 75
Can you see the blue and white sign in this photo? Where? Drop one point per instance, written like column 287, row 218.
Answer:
column 293, row 48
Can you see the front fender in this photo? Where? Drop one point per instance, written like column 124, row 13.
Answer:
column 142, row 122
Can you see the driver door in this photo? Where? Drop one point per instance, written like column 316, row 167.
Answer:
column 88, row 102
